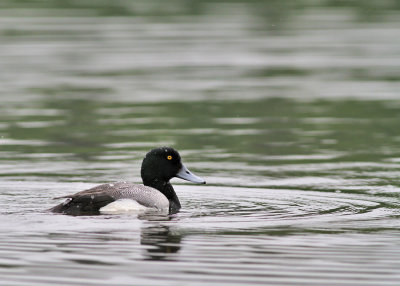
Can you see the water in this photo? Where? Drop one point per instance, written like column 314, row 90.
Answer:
column 289, row 111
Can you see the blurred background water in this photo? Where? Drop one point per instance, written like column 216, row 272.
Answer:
column 289, row 109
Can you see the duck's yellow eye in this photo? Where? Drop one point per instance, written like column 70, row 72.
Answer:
column 169, row 157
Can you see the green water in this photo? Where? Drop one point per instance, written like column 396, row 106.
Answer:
column 289, row 109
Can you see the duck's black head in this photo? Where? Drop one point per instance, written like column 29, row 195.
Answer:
column 162, row 164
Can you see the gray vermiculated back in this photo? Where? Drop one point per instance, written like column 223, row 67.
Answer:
column 144, row 195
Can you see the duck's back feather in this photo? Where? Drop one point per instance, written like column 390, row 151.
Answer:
column 92, row 200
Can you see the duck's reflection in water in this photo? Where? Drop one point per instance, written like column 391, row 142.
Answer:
column 160, row 243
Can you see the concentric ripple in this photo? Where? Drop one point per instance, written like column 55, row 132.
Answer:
column 226, row 235
column 288, row 109
column 298, row 210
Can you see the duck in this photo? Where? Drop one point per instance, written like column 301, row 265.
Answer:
column 159, row 166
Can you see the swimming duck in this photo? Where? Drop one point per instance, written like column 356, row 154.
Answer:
column 158, row 167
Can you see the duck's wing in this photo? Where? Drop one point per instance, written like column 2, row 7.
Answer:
column 87, row 202
column 92, row 200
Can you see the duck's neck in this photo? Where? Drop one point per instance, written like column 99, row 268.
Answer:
column 167, row 189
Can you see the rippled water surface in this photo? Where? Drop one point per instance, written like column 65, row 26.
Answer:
column 291, row 112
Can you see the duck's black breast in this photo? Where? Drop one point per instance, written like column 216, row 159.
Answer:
column 89, row 202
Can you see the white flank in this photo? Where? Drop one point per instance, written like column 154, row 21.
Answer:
column 123, row 206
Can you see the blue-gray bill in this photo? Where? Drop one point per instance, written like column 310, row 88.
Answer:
column 185, row 174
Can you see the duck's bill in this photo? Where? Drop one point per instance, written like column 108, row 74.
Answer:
column 185, row 174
